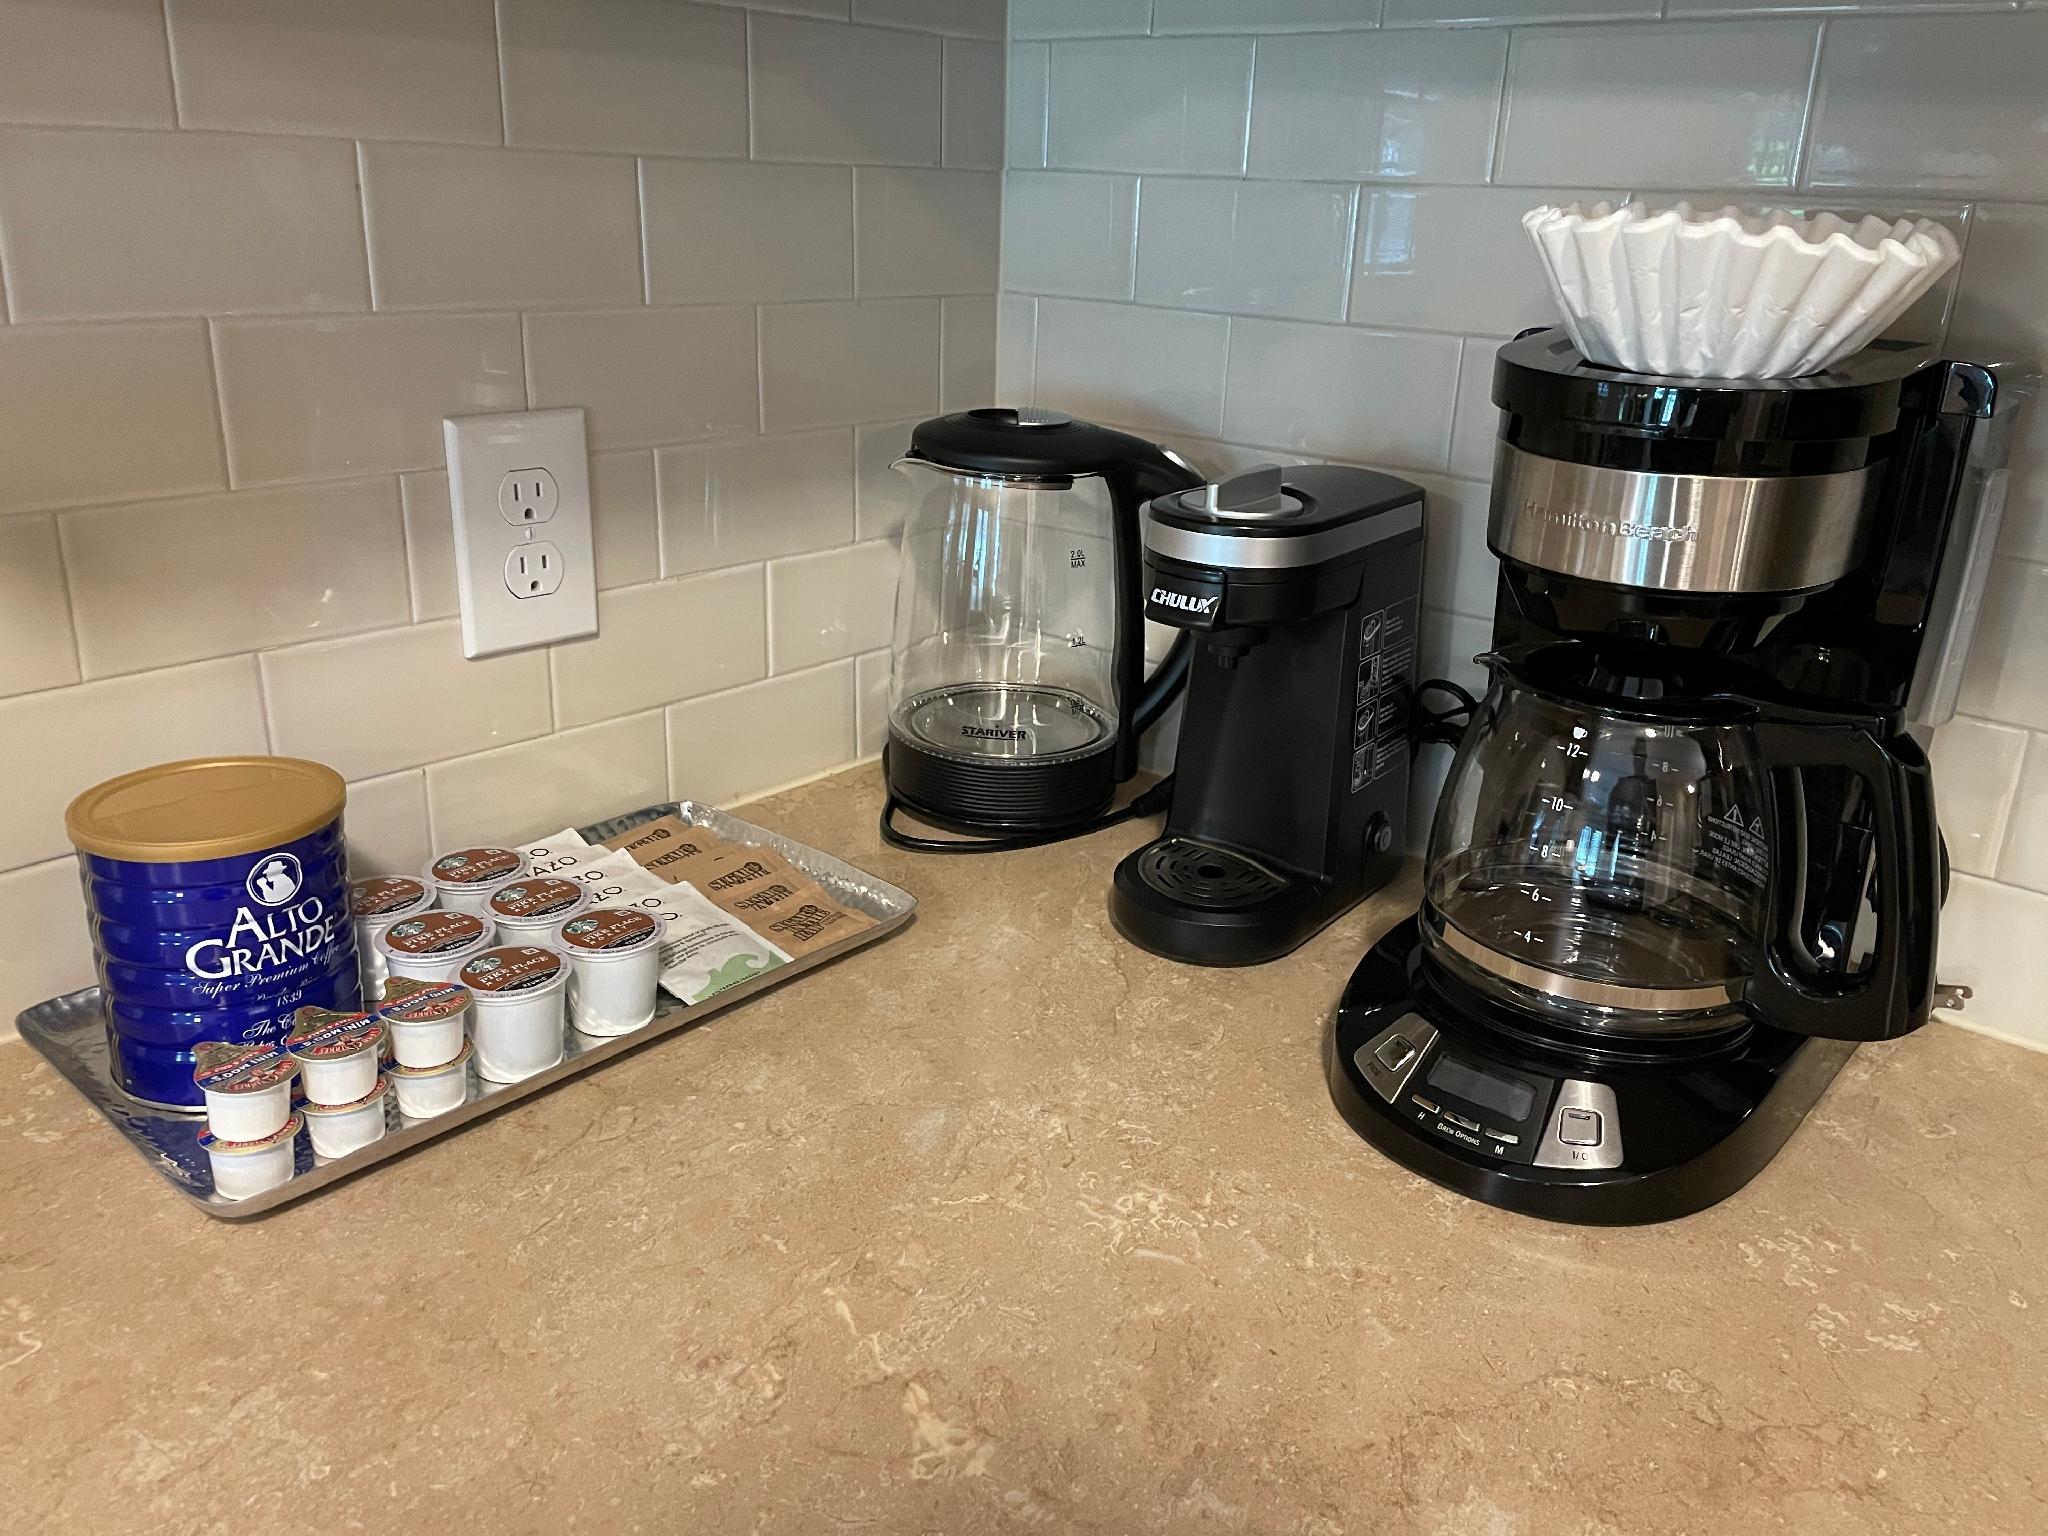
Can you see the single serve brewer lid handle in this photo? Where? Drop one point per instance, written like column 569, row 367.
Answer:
column 1894, row 994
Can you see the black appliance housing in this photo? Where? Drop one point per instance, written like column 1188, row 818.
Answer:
column 1012, row 803
column 1815, row 545
column 1302, row 590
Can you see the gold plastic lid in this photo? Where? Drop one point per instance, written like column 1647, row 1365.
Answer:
column 205, row 808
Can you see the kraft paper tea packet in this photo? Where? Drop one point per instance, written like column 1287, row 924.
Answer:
column 670, row 848
column 777, row 900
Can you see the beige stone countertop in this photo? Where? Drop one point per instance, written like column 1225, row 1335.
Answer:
column 1005, row 1225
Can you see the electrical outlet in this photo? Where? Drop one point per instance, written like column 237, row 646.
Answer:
column 511, row 478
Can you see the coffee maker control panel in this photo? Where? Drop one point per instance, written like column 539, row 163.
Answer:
column 1483, row 1107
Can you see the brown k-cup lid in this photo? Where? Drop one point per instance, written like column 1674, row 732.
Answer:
column 477, row 866
column 434, row 933
column 384, row 893
column 511, row 968
column 607, row 928
column 538, row 897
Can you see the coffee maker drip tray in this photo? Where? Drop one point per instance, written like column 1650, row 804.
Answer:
column 1201, row 875
column 1449, row 1088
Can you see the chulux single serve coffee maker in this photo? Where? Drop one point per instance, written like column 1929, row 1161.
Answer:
column 1686, row 856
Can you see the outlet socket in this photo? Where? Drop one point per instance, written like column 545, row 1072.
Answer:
column 511, row 477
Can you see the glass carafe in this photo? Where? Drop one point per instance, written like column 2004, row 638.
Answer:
column 1623, row 854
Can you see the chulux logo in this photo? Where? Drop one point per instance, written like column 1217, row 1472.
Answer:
column 1186, row 602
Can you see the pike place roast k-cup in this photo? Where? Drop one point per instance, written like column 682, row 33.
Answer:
column 465, row 878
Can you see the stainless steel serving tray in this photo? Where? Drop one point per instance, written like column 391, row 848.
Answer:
column 71, row 1034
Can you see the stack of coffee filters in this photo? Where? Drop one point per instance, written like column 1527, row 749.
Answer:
column 1732, row 294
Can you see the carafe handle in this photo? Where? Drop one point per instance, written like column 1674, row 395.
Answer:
column 1894, row 994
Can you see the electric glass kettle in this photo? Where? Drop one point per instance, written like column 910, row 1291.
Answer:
column 1016, row 692
column 1623, row 852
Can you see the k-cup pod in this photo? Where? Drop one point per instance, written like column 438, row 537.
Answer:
column 248, row 1088
column 465, row 879
column 528, row 909
column 517, row 1022
column 424, row 1092
column 245, row 1168
column 434, row 945
column 614, row 956
column 339, row 1054
column 425, row 1020
column 375, row 904
column 339, row 1129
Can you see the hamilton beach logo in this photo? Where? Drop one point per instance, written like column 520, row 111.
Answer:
column 1609, row 527
column 275, row 881
column 1186, row 602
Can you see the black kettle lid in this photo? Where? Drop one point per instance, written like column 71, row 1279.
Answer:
column 1022, row 442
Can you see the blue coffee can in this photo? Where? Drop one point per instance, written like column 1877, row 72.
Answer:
column 217, row 892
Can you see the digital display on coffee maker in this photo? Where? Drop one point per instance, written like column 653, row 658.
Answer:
column 1508, row 1097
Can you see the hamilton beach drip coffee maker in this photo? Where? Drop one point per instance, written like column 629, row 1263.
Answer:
column 1017, row 694
column 1686, row 856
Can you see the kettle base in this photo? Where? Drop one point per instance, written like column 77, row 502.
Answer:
column 1642, row 1131
column 998, row 794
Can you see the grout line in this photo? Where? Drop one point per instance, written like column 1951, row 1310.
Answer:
column 1802, row 149
column 747, row 74
column 70, row 597
column 498, row 51
column 171, row 69
column 646, row 249
column 220, row 406
column 760, row 377
column 264, row 700
column 526, row 358
column 363, row 222
column 1497, row 152
column 412, row 595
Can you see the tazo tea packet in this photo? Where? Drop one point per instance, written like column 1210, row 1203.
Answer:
column 565, row 850
column 610, row 875
column 704, row 951
column 670, row 848
column 777, row 900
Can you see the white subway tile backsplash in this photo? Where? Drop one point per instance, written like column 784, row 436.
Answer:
column 516, row 794
column 322, row 399
column 400, row 698
column 379, row 69
column 99, row 224
column 47, row 901
column 1475, row 419
column 36, row 649
column 656, row 644
column 104, row 412
column 1145, row 369
column 746, row 232
column 648, row 376
column 1247, row 247
column 1934, row 104
column 1378, row 397
column 1016, row 349
column 962, row 18
column 828, row 365
column 838, row 602
column 1387, row 106
column 736, row 743
column 871, row 702
column 1623, row 105
column 650, row 76
column 1080, row 18
column 1070, row 234
column 1469, row 13
column 883, row 496
column 1270, row 16
column 73, row 63
column 973, row 111
column 967, row 352
column 1458, row 570
column 625, row 533
column 2020, row 843
column 55, row 744
column 435, row 214
column 2005, row 679
column 387, row 827
column 1449, row 258
column 743, row 502
column 1166, row 104
column 1976, row 768
column 852, row 94
column 170, row 581
column 1999, row 313
column 925, row 231
column 1026, row 87
column 1450, row 645
column 1990, row 942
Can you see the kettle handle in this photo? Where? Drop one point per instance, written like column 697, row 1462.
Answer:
column 1138, row 473
column 1894, row 995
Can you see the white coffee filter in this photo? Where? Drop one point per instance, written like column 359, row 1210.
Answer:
column 1732, row 294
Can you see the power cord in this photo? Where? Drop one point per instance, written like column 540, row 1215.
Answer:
column 1443, row 727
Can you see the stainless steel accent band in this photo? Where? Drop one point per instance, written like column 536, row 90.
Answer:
column 1278, row 551
column 1678, row 533
column 1574, row 989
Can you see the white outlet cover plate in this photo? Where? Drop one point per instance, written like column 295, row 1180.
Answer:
column 482, row 452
